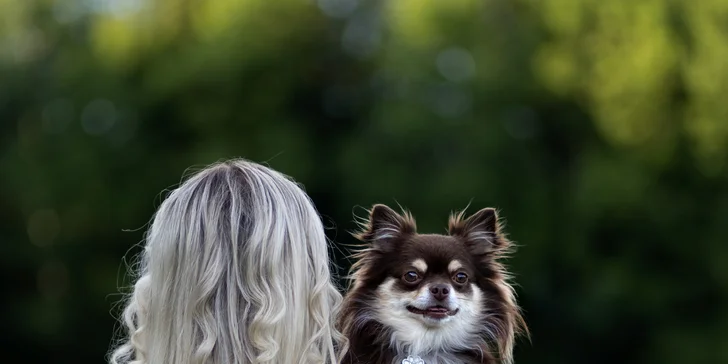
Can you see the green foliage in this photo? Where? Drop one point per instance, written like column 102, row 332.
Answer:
column 595, row 127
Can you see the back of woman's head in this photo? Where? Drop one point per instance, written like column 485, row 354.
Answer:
column 235, row 270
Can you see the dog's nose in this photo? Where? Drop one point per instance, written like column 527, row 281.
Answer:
column 440, row 291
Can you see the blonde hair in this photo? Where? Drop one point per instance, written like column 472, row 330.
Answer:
column 235, row 270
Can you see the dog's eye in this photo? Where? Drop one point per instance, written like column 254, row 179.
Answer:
column 460, row 278
column 411, row 277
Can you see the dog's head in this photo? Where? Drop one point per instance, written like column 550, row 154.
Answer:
column 438, row 292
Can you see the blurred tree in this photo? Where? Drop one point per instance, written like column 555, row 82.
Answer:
column 595, row 127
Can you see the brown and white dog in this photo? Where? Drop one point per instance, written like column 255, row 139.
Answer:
column 427, row 298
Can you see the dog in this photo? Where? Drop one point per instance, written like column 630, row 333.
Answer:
column 429, row 298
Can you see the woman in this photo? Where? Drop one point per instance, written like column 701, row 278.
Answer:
column 235, row 270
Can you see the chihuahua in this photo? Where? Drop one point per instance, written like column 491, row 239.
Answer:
column 429, row 298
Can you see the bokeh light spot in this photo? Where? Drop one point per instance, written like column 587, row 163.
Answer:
column 361, row 37
column 456, row 64
column 98, row 117
column 66, row 11
column 338, row 8
column 449, row 101
column 124, row 128
column 521, row 123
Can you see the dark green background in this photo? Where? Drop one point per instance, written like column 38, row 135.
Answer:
column 598, row 128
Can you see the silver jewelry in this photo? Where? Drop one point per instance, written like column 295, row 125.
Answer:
column 413, row 360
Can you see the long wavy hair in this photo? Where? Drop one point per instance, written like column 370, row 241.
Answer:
column 235, row 270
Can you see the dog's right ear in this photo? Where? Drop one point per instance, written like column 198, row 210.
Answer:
column 385, row 224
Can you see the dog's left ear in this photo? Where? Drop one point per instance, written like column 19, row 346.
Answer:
column 482, row 234
column 481, row 231
column 384, row 225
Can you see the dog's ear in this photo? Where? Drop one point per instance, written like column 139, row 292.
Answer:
column 385, row 224
column 481, row 231
column 483, row 235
